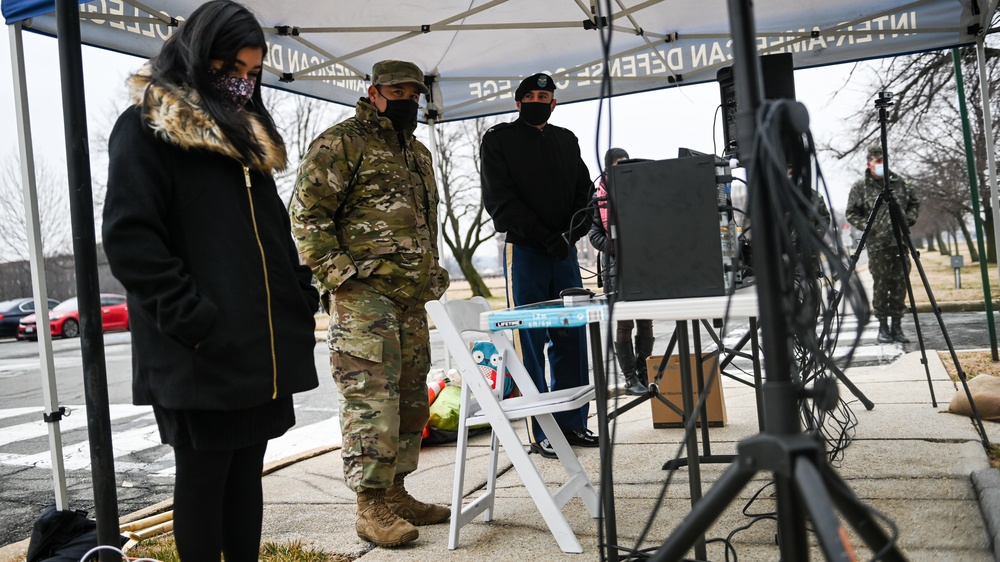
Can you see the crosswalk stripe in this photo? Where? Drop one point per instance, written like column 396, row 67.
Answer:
column 76, row 420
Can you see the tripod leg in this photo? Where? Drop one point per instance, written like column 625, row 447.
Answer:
column 812, row 492
column 831, row 365
column 758, row 384
column 859, row 516
column 701, row 517
column 896, row 214
column 791, row 523
column 902, row 234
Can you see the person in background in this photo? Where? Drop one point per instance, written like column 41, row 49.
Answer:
column 884, row 261
column 631, row 359
column 364, row 212
column 537, row 190
column 220, row 309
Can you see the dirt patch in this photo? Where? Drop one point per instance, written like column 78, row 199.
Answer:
column 974, row 363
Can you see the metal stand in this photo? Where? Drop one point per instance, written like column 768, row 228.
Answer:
column 904, row 243
column 805, row 485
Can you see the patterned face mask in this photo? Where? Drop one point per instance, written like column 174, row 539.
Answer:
column 234, row 90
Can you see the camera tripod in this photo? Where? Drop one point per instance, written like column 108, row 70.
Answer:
column 805, row 484
column 904, row 244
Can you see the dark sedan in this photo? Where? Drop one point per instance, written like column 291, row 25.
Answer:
column 12, row 311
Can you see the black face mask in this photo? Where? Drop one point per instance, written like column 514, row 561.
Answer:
column 402, row 113
column 536, row 113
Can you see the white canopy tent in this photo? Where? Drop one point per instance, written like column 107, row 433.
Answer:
column 474, row 53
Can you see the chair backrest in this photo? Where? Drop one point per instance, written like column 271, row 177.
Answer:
column 458, row 323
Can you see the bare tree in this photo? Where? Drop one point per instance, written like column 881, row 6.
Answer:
column 944, row 188
column 925, row 135
column 300, row 119
column 465, row 225
column 53, row 212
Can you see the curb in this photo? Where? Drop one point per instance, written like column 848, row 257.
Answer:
column 956, row 306
column 986, row 484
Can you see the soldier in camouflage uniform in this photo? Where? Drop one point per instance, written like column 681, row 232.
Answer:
column 364, row 214
column 886, row 268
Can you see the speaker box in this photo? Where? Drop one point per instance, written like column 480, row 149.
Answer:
column 777, row 73
column 665, row 229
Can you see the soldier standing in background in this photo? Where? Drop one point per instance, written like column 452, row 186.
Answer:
column 883, row 254
column 364, row 214
column 537, row 189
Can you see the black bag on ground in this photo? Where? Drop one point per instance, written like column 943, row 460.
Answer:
column 61, row 536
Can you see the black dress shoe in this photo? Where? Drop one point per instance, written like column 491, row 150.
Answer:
column 543, row 448
column 582, row 438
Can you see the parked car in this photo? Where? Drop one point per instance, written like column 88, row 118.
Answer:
column 12, row 311
column 64, row 319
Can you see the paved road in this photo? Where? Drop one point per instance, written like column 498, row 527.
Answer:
column 144, row 467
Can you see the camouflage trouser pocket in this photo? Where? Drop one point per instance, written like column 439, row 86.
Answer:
column 363, row 346
column 357, row 321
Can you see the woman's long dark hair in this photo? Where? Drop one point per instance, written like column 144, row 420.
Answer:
column 216, row 30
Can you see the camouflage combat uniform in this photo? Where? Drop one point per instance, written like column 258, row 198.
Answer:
column 888, row 275
column 364, row 214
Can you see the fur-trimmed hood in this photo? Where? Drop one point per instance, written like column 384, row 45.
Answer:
column 175, row 115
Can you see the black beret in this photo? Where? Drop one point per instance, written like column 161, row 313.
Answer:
column 540, row 81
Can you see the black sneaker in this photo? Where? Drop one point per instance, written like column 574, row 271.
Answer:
column 543, row 448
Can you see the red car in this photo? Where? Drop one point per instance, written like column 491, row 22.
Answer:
column 64, row 319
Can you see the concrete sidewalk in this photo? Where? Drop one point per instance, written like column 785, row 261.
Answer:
column 908, row 460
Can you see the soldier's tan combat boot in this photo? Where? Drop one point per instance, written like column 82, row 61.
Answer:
column 415, row 512
column 378, row 524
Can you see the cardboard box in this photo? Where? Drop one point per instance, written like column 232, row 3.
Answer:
column 670, row 388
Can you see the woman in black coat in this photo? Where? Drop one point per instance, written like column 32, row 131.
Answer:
column 220, row 309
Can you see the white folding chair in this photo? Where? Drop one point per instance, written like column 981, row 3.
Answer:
column 458, row 323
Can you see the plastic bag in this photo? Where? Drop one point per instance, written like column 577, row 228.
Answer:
column 445, row 409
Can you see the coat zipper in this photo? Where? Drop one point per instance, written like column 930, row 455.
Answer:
column 267, row 284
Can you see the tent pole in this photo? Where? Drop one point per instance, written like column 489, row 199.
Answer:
column 974, row 195
column 95, row 379
column 991, row 159
column 432, row 141
column 52, row 414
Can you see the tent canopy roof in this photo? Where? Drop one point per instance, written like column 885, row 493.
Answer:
column 477, row 51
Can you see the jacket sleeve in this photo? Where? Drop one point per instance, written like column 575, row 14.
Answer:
column 303, row 274
column 322, row 186
column 857, row 212
column 583, row 197
column 598, row 236
column 137, row 237
column 509, row 213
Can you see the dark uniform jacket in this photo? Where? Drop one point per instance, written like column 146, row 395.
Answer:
column 220, row 309
column 862, row 198
column 534, row 182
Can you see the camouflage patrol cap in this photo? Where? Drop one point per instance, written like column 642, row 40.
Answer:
column 540, row 81
column 875, row 151
column 389, row 72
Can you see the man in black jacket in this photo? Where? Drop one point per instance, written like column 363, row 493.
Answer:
column 537, row 189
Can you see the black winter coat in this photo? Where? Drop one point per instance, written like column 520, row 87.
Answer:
column 221, row 311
